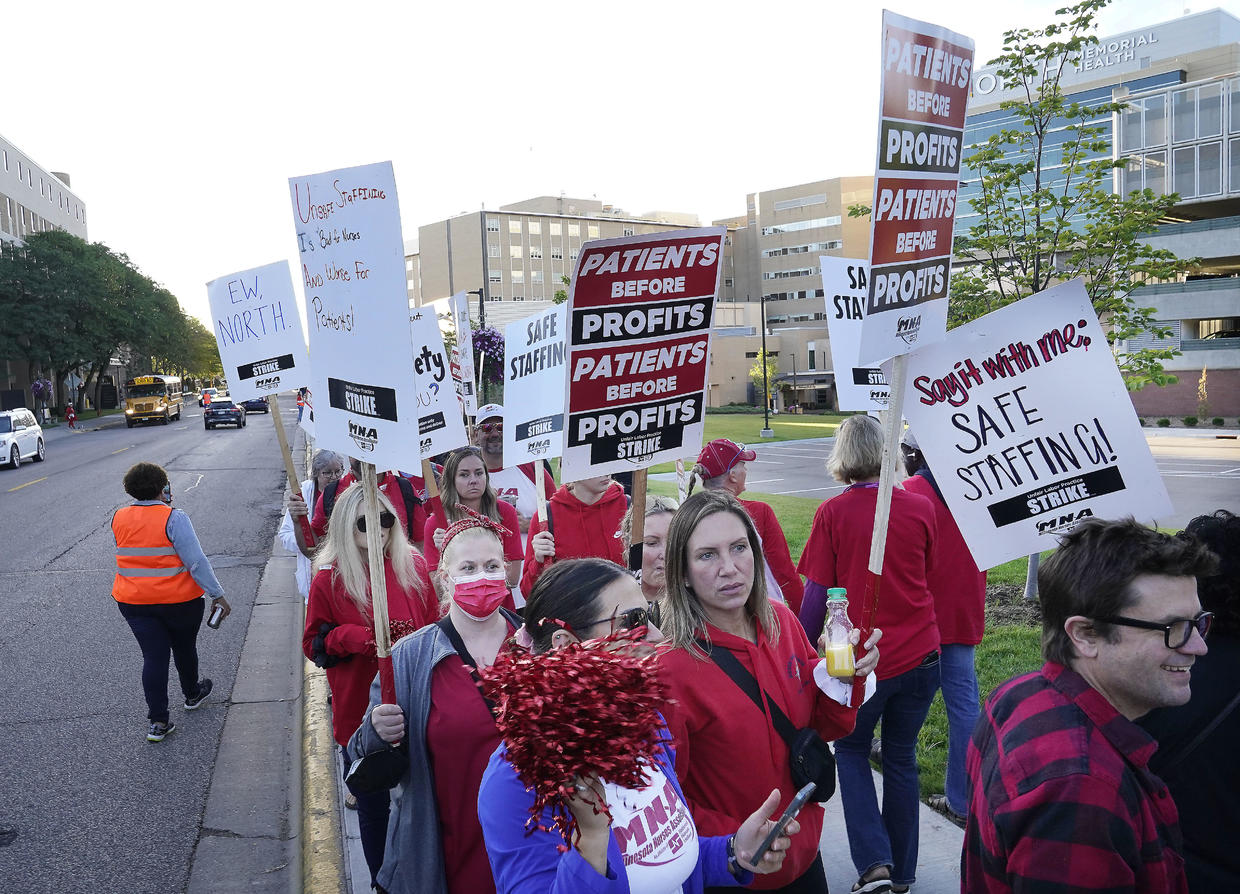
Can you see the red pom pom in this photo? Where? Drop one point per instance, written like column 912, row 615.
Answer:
column 589, row 709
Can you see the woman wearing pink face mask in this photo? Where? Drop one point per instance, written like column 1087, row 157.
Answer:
column 435, row 840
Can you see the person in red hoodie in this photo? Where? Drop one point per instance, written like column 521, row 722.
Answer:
column 585, row 520
column 724, row 465
column 883, row 843
column 729, row 755
column 402, row 491
column 339, row 633
column 959, row 590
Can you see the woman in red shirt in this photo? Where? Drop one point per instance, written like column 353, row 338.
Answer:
column 728, row 754
column 883, row 845
column 339, row 633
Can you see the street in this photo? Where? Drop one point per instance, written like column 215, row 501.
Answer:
column 95, row 807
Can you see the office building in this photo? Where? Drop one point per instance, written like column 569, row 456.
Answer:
column 1180, row 133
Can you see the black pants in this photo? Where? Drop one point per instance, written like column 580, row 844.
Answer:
column 812, row 881
column 372, row 822
column 163, row 631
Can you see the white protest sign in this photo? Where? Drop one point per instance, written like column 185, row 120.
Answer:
column 258, row 331
column 307, row 414
column 534, row 372
column 1025, row 421
column 925, row 88
column 639, row 322
column 357, row 306
column 440, row 425
column 845, row 283
column 463, row 353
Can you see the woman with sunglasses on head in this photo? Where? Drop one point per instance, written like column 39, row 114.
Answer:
column 729, row 754
column 339, row 633
column 584, row 599
column 466, row 485
column 585, row 522
column 659, row 512
column 325, row 467
column 436, row 842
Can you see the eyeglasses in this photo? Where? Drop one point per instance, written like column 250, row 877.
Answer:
column 386, row 520
column 1176, row 634
column 333, row 473
column 628, row 620
column 487, row 427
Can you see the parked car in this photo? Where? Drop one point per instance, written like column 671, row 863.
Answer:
column 1225, row 333
column 222, row 411
column 205, row 391
column 21, row 437
column 256, row 405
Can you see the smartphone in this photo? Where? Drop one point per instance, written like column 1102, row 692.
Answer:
column 217, row 615
column 778, row 829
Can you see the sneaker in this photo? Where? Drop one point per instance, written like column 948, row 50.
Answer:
column 158, row 731
column 204, row 689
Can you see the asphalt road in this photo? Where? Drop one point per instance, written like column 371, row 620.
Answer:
column 95, row 807
column 1201, row 472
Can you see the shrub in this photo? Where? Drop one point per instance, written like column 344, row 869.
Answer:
column 1217, row 420
column 1190, row 421
column 1164, row 422
column 1141, row 422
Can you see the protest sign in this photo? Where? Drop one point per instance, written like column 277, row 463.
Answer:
column 463, row 353
column 639, row 321
column 845, row 283
column 353, row 272
column 534, row 354
column 1025, row 421
column 440, row 425
column 258, row 331
column 925, row 88
column 307, row 414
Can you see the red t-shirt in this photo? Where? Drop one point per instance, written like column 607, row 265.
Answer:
column 959, row 588
column 318, row 520
column 775, row 552
column 837, row 554
column 514, row 549
column 354, row 638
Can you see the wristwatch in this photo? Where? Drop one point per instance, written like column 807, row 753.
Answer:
column 734, row 867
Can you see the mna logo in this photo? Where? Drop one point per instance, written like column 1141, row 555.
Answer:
column 538, row 448
column 270, row 382
column 908, row 328
column 364, row 437
column 1064, row 523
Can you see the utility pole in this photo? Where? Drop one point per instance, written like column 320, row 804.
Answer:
column 482, row 307
column 766, row 388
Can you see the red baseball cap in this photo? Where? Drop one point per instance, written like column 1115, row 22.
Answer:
column 720, row 455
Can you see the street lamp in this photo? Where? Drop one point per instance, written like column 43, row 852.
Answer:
column 766, row 388
column 482, row 307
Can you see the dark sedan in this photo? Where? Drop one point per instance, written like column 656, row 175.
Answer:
column 256, row 405
column 223, row 411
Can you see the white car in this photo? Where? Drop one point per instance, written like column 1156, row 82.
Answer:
column 21, row 437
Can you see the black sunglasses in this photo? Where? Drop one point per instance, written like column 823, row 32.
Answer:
column 628, row 620
column 1176, row 634
column 386, row 520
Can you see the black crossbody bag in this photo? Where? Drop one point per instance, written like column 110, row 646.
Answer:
column 811, row 758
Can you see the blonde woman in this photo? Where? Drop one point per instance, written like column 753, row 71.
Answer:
column 339, row 633
column 716, row 594
column 659, row 512
column 436, row 845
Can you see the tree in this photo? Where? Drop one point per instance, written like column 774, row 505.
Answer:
column 561, row 295
column 1045, row 205
column 771, row 364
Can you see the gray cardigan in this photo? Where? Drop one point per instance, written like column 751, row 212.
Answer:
column 413, row 858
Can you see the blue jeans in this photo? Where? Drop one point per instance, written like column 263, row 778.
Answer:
column 958, row 680
column 888, row 838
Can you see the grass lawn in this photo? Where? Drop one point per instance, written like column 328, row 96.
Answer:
column 747, row 429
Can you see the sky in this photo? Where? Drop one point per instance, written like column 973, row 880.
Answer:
column 181, row 124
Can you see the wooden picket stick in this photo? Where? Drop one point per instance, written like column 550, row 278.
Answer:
column 294, row 483
column 540, row 485
column 682, row 479
column 893, row 427
column 638, row 515
column 378, row 584
column 432, row 486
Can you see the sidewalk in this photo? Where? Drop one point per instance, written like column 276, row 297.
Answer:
column 84, row 425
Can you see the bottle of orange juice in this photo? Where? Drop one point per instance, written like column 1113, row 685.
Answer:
column 838, row 630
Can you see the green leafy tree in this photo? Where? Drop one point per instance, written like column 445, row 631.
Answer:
column 771, row 364
column 561, row 295
column 1046, row 209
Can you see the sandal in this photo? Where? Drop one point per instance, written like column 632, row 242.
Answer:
column 875, row 881
column 938, row 803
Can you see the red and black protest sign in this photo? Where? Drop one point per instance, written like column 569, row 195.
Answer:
column 639, row 322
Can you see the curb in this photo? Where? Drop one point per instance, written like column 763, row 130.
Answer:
column 322, row 854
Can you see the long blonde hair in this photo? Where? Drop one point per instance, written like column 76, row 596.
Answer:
column 340, row 551
column 683, row 615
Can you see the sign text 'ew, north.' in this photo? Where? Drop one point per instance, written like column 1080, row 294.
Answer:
column 353, row 274
column 535, row 351
column 925, row 88
column 639, row 322
column 258, row 331
column 845, row 283
column 1025, row 421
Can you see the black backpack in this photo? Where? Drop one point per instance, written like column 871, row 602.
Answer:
column 406, row 491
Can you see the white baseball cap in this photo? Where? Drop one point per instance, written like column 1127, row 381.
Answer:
column 490, row 411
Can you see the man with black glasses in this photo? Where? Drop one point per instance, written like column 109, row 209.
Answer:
column 1060, row 792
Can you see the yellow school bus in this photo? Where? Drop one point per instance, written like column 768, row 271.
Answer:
column 150, row 398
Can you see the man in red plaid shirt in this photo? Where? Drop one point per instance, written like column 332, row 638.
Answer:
column 1061, row 797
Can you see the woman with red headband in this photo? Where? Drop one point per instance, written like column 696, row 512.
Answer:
column 340, row 631
column 436, row 843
